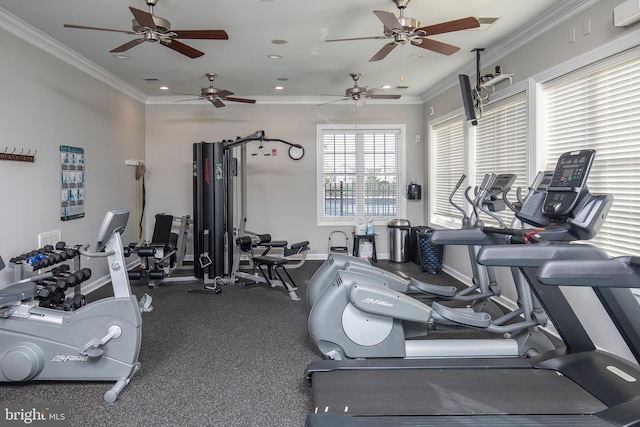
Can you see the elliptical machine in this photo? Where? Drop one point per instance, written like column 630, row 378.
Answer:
column 361, row 317
column 492, row 189
column 97, row 342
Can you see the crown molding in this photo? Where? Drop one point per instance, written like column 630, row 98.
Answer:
column 37, row 38
column 555, row 16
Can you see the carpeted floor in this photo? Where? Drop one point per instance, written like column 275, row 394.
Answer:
column 231, row 359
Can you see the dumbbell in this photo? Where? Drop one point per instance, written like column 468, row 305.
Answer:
column 74, row 303
column 71, row 278
column 70, row 251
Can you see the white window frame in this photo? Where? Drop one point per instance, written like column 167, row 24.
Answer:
column 350, row 220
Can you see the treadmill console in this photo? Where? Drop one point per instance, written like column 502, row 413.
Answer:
column 568, row 181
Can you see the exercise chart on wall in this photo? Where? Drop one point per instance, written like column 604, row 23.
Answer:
column 72, row 181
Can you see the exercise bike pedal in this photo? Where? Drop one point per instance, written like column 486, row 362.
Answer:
column 145, row 303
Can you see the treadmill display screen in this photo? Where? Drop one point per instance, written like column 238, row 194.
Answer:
column 572, row 169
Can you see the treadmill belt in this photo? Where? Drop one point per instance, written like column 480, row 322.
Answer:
column 335, row 420
column 450, row 392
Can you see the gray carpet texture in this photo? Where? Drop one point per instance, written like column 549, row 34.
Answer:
column 231, row 359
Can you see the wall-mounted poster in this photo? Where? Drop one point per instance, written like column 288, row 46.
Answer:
column 72, row 179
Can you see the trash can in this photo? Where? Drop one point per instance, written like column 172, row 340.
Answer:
column 431, row 254
column 398, row 240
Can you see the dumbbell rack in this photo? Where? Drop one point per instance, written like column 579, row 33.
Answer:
column 23, row 270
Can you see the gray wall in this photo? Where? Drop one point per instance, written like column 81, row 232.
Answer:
column 281, row 192
column 47, row 103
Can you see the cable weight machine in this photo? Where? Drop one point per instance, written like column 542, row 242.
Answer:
column 214, row 169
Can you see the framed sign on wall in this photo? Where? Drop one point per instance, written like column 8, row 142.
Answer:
column 72, row 180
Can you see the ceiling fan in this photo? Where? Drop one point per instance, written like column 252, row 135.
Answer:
column 156, row 29
column 215, row 95
column 403, row 29
column 360, row 93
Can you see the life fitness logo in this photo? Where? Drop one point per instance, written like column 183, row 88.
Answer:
column 206, row 171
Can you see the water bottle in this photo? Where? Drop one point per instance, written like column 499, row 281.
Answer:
column 370, row 227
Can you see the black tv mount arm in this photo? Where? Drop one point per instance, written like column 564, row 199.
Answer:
column 478, row 51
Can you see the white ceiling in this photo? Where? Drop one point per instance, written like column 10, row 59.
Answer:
column 311, row 66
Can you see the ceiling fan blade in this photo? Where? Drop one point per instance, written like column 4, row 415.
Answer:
column 357, row 38
column 436, row 46
column 450, row 26
column 186, row 100
column 202, row 34
column 83, row 27
column 187, row 94
column 182, row 48
column 389, row 20
column 384, row 96
column 246, row 101
column 217, row 103
column 222, row 93
column 128, row 45
column 382, row 53
column 331, row 102
column 144, row 19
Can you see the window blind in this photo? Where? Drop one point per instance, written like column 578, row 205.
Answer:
column 448, row 163
column 599, row 108
column 501, row 146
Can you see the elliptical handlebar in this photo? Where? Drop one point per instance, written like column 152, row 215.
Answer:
column 465, row 217
column 82, row 250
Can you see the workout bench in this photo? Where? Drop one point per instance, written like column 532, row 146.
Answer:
column 273, row 264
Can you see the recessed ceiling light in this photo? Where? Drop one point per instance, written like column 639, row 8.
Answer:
column 120, row 56
column 278, row 87
column 164, row 87
column 386, row 87
column 274, row 56
column 279, row 41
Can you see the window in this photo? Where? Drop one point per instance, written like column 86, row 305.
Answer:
column 448, row 166
column 360, row 172
column 501, row 146
column 599, row 108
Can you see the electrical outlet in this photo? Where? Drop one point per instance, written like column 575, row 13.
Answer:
column 49, row 238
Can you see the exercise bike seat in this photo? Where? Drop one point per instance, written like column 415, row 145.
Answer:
column 18, row 292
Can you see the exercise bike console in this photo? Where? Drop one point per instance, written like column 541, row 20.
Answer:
column 568, row 182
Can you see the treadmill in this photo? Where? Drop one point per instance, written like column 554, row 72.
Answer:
column 576, row 385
